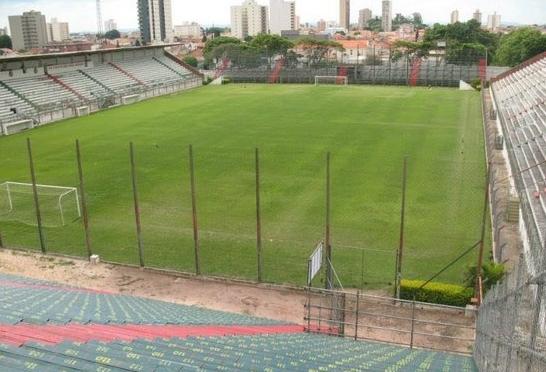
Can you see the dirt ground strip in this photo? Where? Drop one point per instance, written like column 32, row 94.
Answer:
column 278, row 303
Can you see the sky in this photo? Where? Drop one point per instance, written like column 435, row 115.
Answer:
column 81, row 13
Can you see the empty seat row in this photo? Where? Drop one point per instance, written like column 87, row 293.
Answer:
column 521, row 102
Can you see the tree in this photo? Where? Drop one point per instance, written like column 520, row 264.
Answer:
column 374, row 24
column 191, row 60
column 317, row 50
column 466, row 41
column 519, row 46
column 111, row 35
column 5, row 42
column 417, row 19
column 211, row 44
column 215, row 31
column 242, row 55
column 271, row 44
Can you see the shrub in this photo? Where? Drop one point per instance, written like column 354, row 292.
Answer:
column 491, row 274
column 476, row 84
column 436, row 293
column 191, row 60
column 226, row 81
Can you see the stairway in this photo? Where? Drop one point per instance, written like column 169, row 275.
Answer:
column 415, row 72
column 65, row 86
column 276, row 73
column 126, row 73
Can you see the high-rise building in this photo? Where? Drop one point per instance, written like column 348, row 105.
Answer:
column 110, row 25
column 188, row 30
column 155, row 21
column 493, row 22
column 28, row 30
column 321, row 25
column 477, row 16
column 454, row 16
column 282, row 16
column 57, row 31
column 364, row 17
column 248, row 19
column 345, row 14
column 386, row 16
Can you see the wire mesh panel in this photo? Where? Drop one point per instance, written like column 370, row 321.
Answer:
column 511, row 329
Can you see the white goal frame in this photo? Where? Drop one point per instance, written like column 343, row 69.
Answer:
column 64, row 191
column 337, row 80
column 82, row 111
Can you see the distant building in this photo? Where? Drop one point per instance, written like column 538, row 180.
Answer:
column 57, row 31
column 386, row 16
column 477, row 16
column 248, row 19
column 28, row 31
column 68, row 46
column 493, row 22
column 345, row 14
column 188, row 30
column 454, row 16
column 282, row 16
column 110, row 25
column 321, row 25
column 364, row 17
column 3, row 31
column 155, row 21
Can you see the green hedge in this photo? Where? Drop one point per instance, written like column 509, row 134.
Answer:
column 437, row 293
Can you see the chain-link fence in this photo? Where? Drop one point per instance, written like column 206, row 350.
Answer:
column 223, row 237
column 367, row 66
column 511, row 325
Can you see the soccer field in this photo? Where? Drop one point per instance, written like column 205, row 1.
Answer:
column 368, row 130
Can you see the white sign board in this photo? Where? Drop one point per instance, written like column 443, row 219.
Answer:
column 314, row 263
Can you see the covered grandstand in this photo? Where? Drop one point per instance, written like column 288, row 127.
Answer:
column 39, row 89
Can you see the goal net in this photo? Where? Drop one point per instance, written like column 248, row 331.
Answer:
column 59, row 205
column 331, row 80
column 82, row 111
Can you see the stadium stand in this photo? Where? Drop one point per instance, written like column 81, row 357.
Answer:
column 52, row 87
column 520, row 101
column 51, row 327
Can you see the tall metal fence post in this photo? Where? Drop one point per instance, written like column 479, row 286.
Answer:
column 329, row 273
column 357, row 313
column 412, row 322
column 483, row 232
column 400, row 252
column 1, row 240
column 194, row 213
column 258, row 219
column 83, row 201
column 41, row 235
column 137, row 206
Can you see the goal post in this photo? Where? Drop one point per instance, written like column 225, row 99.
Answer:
column 58, row 203
column 331, row 80
column 82, row 111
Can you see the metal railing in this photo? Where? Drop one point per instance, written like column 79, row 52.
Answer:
column 376, row 318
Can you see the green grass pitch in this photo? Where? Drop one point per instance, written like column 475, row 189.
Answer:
column 368, row 129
